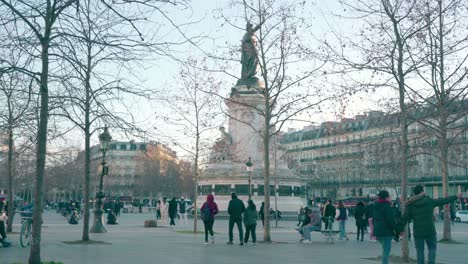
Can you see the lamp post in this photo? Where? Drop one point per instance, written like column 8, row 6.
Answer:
column 249, row 167
column 98, row 227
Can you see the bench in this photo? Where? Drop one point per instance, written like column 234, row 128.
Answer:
column 329, row 235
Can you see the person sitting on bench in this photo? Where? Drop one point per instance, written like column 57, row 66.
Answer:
column 111, row 219
column 313, row 223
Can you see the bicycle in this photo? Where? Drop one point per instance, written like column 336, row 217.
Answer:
column 26, row 228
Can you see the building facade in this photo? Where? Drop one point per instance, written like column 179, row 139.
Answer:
column 360, row 156
column 135, row 168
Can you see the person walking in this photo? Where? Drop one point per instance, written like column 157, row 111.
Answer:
column 419, row 209
column 329, row 213
column 370, row 220
column 164, row 208
column 208, row 211
column 342, row 217
column 172, row 210
column 250, row 222
column 384, row 224
column 360, row 216
column 262, row 213
column 236, row 208
column 183, row 211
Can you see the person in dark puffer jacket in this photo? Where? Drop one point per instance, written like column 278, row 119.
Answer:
column 384, row 224
column 250, row 222
column 420, row 209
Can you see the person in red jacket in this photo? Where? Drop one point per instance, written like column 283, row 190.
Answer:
column 208, row 210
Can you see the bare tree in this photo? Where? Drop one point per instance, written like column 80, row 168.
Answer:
column 443, row 49
column 15, row 98
column 193, row 114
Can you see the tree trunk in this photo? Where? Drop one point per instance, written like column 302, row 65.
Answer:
column 195, row 213
column 443, row 147
column 11, row 209
column 35, row 251
column 266, row 155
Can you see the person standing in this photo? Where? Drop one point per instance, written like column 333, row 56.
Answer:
column 384, row 224
column 300, row 216
column 3, row 218
column 342, row 217
column 360, row 216
column 172, row 210
column 183, row 211
column 419, row 209
column 329, row 213
column 236, row 208
column 370, row 220
column 208, row 210
column 250, row 222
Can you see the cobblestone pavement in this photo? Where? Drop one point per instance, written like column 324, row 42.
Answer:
column 131, row 243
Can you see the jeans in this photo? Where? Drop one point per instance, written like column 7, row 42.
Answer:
column 208, row 228
column 386, row 243
column 2, row 231
column 342, row 224
column 307, row 229
column 250, row 230
column 371, row 229
column 238, row 222
column 431, row 247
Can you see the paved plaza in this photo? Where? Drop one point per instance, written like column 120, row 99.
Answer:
column 131, row 243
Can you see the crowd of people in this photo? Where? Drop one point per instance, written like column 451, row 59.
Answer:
column 382, row 218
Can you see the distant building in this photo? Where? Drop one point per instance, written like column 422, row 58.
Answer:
column 134, row 167
column 361, row 155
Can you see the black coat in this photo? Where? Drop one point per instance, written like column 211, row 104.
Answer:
column 172, row 210
column 420, row 209
column 236, row 208
column 360, row 215
column 384, row 219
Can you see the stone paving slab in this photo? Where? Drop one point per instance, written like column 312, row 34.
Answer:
column 131, row 243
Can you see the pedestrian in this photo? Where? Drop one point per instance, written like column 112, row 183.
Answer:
column 111, row 218
column 370, row 220
column 172, row 210
column 361, row 219
column 163, row 207
column 329, row 213
column 300, row 216
column 250, row 222
column 419, row 209
column 183, row 211
column 384, row 224
column 262, row 213
column 158, row 210
column 314, row 224
column 236, row 208
column 208, row 210
column 117, row 208
column 3, row 218
column 397, row 214
column 342, row 217
column 74, row 218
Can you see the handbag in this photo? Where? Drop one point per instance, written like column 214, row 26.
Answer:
column 3, row 217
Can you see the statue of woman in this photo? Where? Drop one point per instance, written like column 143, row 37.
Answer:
column 249, row 58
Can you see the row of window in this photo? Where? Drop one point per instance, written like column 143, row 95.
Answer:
column 243, row 189
column 125, row 146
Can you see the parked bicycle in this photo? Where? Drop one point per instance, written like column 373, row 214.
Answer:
column 26, row 228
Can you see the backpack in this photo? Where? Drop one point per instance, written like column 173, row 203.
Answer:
column 206, row 213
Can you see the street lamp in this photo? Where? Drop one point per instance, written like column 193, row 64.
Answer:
column 98, row 227
column 249, row 167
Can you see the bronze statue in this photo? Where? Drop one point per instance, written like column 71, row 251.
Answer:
column 249, row 58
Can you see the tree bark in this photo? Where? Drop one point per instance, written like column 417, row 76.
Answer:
column 11, row 212
column 266, row 155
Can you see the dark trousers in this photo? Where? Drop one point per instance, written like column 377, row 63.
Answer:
column 172, row 221
column 238, row 222
column 328, row 223
column 360, row 230
column 250, row 229
column 208, row 228
column 431, row 248
column 2, row 230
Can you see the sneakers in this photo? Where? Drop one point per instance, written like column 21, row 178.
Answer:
column 254, row 243
column 206, row 243
column 212, row 239
column 306, row 241
column 229, row 243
